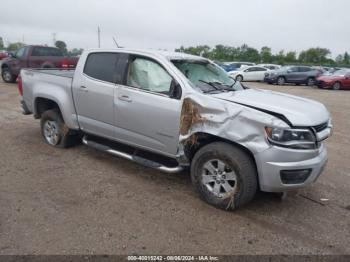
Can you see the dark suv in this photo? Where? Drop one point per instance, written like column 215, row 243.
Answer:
column 293, row 74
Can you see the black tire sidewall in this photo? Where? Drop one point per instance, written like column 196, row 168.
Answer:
column 335, row 85
column 53, row 115
column 281, row 77
column 239, row 78
column 241, row 164
column 12, row 80
column 308, row 81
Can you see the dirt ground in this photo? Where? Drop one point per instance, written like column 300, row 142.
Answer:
column 81, row 201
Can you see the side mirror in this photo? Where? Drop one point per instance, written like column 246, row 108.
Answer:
column 12, row 55
column 175, row 90
column 347, row 76
column 289, row 71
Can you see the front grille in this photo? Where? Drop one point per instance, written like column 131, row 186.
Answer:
column 320, row 127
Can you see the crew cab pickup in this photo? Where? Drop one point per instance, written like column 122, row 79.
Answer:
column 173, row 112
column 34, row 57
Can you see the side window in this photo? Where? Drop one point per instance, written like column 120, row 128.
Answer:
column 37, row 51
column 293, row 69
column 148, row 75
column 101, row 66
column 304, row 69
column 21, row 52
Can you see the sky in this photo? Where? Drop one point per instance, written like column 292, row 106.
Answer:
column 291, row 25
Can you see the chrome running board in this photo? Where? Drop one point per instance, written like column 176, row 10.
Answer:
column 135, row 158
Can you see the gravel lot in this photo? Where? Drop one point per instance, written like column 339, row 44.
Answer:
column 81, row 201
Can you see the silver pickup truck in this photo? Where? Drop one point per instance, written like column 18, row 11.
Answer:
column 174, row 112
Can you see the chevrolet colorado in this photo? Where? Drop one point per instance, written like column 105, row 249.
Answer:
column 172, row 111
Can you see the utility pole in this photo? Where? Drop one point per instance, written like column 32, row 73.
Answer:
column 54, row 38
column 98, row 35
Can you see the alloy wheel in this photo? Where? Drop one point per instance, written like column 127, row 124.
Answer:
column 219, row 178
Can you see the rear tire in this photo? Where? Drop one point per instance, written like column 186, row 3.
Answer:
column 336, row 86
column 54, row 130
column 310, row 81
column 281, row 80
column 7, row 76
column 224, row 175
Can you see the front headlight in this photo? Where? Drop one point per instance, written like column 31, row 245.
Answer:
column 292, row 138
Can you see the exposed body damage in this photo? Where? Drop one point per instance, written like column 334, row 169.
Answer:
column 169, row 111
column 235, row 122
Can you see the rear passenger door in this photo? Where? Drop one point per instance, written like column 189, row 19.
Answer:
column 293, row 74
column 304, row 73
column 94, row 94
column 145, row 114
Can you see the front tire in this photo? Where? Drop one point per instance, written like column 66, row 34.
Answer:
column 54, row 130
column 224, row 175
column 336, row 86
column 281, row 80
column 239, row 78
column 7, row 76
column 310, row 81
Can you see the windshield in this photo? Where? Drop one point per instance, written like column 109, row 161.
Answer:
column 207, row 76
column 340, row 72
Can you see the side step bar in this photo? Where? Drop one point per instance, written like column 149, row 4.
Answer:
column 137, row 159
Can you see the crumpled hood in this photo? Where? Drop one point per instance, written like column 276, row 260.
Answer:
column 299, row 111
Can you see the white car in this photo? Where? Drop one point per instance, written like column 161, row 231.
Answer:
column 270, row 66
column 251, row 73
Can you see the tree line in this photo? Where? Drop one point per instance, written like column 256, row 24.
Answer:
column 12, row 47
column 225, row 53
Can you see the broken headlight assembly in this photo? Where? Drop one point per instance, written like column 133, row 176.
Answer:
column 291, row 138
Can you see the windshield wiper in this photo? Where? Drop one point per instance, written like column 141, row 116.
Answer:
column 209, row 83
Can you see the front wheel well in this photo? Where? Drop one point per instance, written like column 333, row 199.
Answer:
column 198, row 140
column 44, row 104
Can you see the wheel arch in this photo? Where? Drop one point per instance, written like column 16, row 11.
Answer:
column 200, row 139
column 42, row 104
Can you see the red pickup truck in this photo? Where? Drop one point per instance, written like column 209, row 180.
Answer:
column 34, row 57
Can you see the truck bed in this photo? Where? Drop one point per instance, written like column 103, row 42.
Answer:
column 55, row 71
column 52, row 84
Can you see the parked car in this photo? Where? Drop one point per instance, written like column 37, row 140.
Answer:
column 338, row 80
column 270, row 66
column 233, row 66
column 34, row 57
column 3, row 54
column 293, row 74
column 250, row 73
column 171, row 111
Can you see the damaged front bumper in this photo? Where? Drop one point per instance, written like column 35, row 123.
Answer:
column 282, row 169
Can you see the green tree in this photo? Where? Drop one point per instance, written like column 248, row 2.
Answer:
column 75, row 52
column 279, row 58
column 249, row 54
column 314, row 55
column 265, row 54
column 14, row 46
column 1, row 43
column 62, row 46
column 339, row 59
column 346, row 58
column 291, row 57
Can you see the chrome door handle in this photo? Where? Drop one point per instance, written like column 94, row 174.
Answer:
column 124, row 98
column 83, row 89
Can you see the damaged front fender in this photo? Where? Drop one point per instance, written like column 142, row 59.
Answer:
column 226, row 120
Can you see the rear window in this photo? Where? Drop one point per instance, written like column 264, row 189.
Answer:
column 101, row 66
column 46, row 51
